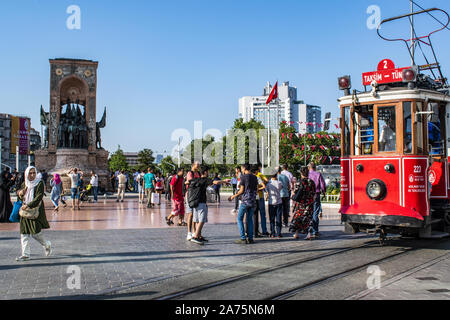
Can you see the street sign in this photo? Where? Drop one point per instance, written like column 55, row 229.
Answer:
column 386, row 73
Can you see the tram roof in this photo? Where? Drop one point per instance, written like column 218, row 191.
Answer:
column 396, row 94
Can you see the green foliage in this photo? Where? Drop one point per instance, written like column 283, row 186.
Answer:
column 117, row 161
column 145, row 159
column 167, row 165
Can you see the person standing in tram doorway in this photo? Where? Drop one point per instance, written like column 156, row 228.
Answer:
column 387, row 136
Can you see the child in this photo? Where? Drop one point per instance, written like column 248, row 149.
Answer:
column 273, row 187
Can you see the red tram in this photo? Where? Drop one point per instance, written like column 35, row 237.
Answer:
column 395, row 150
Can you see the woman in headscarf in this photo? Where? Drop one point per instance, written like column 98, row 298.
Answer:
column 303, row 208
column 57, row 190
column 5, row 199
column 32, row 194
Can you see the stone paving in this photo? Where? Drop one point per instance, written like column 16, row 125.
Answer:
column 116, row 259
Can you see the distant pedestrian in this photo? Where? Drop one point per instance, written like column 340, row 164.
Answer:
column 285, row 197
column 159, row 186
column 5, row 198
column 122, row 185
column 304, row 205
column 31, row 194
column 320, row 189
column 149, row 182
column 44, row 175
column 193, row 174
column 141, row 186
column 235, row 184
column 112, row 179
column 94, row 185
column 177, row 198
column 57, row 191
column 197, row 200
column 260, row 212
column 76, row 181
column 248, row 189
column 217, row 187
column 274, row 187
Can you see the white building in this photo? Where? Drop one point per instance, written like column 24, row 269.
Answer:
column 287, row 108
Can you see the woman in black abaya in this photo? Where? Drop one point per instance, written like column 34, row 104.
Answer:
column 5, row 199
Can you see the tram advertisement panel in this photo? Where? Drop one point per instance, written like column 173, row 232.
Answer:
column 437, row 177
column 415, row 182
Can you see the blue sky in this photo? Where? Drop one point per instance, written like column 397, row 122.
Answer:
column 163, row 65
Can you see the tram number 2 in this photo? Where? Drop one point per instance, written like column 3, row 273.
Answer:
column 417, row 169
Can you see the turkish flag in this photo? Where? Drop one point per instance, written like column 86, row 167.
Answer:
column 273, row 94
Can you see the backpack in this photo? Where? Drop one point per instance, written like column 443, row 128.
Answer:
column 159, row 184
column 194, row 193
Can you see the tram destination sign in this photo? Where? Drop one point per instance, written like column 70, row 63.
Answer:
column 386, row 73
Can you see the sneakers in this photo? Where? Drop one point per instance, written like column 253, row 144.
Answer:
column 22, row 258
column 309, row 237
column 48, row 249
column 203, row 239
column 197, row 241
column 189, row 236
column 250, row 241
column 240, row 241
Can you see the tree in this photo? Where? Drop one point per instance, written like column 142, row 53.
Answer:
column 117, row 161
column 167, row 165
column 145, row 159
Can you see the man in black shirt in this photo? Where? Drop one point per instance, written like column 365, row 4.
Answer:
column 248, row 188
column 197, row 198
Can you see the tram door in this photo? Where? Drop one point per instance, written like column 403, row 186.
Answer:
column 437, row 148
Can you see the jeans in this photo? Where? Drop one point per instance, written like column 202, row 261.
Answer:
column 55, row 196
column 236, row 200
column 275, row 213
column 95, row 192
column 262, row 212
column 135, row 187
column 286, row 208
column 245, row 210
column 121, row 192
column 315, row 219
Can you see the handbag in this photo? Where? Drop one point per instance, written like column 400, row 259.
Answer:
column 15, row 217
column 31, row 214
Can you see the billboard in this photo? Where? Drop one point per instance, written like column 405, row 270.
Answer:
column 20, row 135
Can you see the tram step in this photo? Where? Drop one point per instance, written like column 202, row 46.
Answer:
column 436, row 235
column 435, row 221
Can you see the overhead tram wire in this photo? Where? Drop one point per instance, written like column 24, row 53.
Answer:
column 443, row 24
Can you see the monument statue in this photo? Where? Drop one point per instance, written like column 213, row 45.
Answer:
column 45, row 124
column 72, row 134
column 98, row 126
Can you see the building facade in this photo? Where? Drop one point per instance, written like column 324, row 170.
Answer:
column 8, row 156
column 286, row 108
column 131, row 158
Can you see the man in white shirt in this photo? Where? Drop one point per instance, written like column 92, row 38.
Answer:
column 122, row 184
column 94, row 185
column 289, row 175
column 75, row 177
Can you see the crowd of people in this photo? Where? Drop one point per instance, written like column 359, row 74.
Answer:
column 187, row 194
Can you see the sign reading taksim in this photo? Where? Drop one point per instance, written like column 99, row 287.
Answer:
column 20, row 133
column 386, row 73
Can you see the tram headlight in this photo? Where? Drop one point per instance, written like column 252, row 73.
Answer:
column 376, row 190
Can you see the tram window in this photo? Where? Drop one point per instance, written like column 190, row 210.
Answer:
column 419, row 122
column 407, row 128
column 434, row 131
column 364, row 130
column 386, row 129
column 346, row 131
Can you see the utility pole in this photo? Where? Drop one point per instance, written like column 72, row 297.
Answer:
column 179, row 153
column 17, row 159
column 412, row 35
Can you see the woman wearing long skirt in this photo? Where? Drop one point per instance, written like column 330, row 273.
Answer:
column 32, row 194
column 303, row 208
column 5, row 199
column 57, row 191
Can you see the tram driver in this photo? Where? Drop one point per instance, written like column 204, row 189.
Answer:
column 388, row 137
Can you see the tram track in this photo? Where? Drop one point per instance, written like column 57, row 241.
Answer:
column 216, row 284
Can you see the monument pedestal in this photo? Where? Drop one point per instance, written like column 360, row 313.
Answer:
column 63, row 160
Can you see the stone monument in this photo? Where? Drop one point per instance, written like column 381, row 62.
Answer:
column 72, row 133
